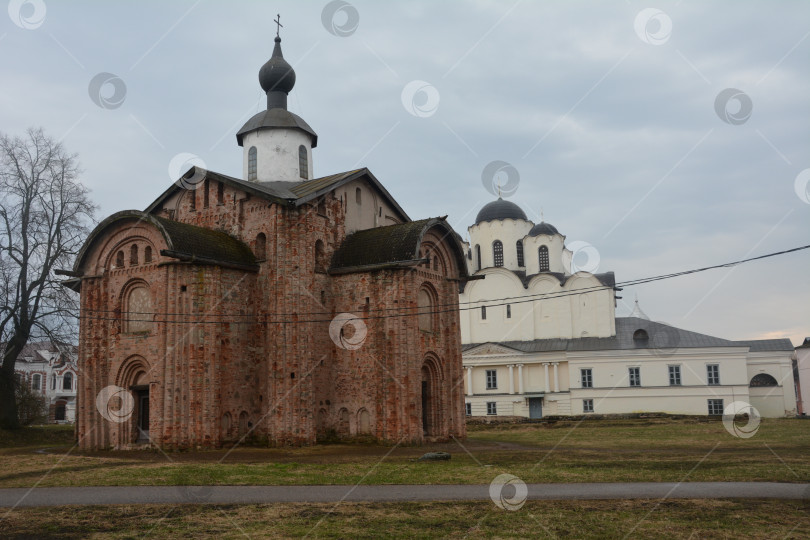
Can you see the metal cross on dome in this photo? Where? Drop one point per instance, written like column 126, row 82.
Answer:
column 279, row 26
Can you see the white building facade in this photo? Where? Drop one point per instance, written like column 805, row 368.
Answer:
column 540, row 340
column 50, row 370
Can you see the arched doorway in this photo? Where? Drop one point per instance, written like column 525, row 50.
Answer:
column 133, row 377
column 431, row 405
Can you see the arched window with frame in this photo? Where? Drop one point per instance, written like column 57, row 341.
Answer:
column 303, row 162
column 543, row 258
column 133, row 255
column 519, row 247
column 36, row 382
column 67, row 381
column 260, row 248
column 497, row 252
column 137, row 309
column 119, row 259
column 425, row 303
column 147, row 254
column 252, row 163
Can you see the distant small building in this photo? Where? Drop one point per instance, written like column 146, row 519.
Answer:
column 50, row 369
column 801, row 372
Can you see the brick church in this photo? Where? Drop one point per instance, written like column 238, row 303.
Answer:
column 276, row 307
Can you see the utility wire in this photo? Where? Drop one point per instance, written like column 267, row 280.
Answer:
column 415, row 311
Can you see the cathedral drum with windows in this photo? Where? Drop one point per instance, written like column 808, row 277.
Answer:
column 276, row 307
column 541, row 338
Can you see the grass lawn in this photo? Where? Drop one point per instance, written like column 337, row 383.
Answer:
column 658, row 449
column 537, row 519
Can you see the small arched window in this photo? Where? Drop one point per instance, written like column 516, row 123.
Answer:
column 133, row 255
column 252, row 163
column 543, row 256
column 763, row 379
column 303, row 162
column 358, row 196
column 497, row 252
column 36, row 382
column 261, row 246
column 119, row 259
column 220, row 193
column 226, row 425
column 320, row 265
column 424, row 302
column 478, row 256
column 53, row 381
column 243, row 423
column 147, row 254
column 435, row 263
column 67, row 381
column 519, row 247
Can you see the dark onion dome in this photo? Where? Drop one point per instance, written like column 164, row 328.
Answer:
column 500, row 209
column 543, row 228
column 276, row 75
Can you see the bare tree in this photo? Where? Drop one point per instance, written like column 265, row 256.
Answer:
column 45, row 214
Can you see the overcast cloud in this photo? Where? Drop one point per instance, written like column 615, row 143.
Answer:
column 611, row 123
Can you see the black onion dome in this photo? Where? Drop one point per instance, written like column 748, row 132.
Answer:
column 276, row 75
column 500, row 209
column 543, row 228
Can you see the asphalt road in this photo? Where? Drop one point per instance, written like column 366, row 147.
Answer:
column 60, row 496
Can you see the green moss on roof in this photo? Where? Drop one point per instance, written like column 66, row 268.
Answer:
column 381, row 245
column 206, row 243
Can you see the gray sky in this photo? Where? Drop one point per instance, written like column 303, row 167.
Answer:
column 609, row 114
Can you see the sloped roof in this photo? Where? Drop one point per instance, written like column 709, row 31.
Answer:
column 183, row 241
column 273, row 119
column 661, row 336
column 283, row 192
column 390, row 246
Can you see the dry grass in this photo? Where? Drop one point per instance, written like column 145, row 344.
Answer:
column 593, row 451
column 538, row 519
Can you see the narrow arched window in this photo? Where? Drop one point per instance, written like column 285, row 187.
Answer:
column 303, row 162
column 478, row 256
column 424, row 302
column 138, row 310
column 261, row 246
column 320, row 265
column 67, row 381
column 119, row 259
column 543, row 256
column 220, row 193
column 206, row 192
column 497, row 252
column 147, row 254
column 358, row 196
column 36, row 382
column 53, row 381
column 133, row 255
column 519, row 247
column 252, row 163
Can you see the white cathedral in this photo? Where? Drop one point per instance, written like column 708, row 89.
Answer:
column 541, row 340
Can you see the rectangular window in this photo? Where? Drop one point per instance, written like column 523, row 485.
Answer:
column 713, row 374
column 587, row 378
column 491, row 408
column 483, row 313
column 674, row 375
column 492, row 379
column 508, row 311
column 220, row 193
column 715, row 407
column 635, row 376
column 587, row 405
column 468, row 409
